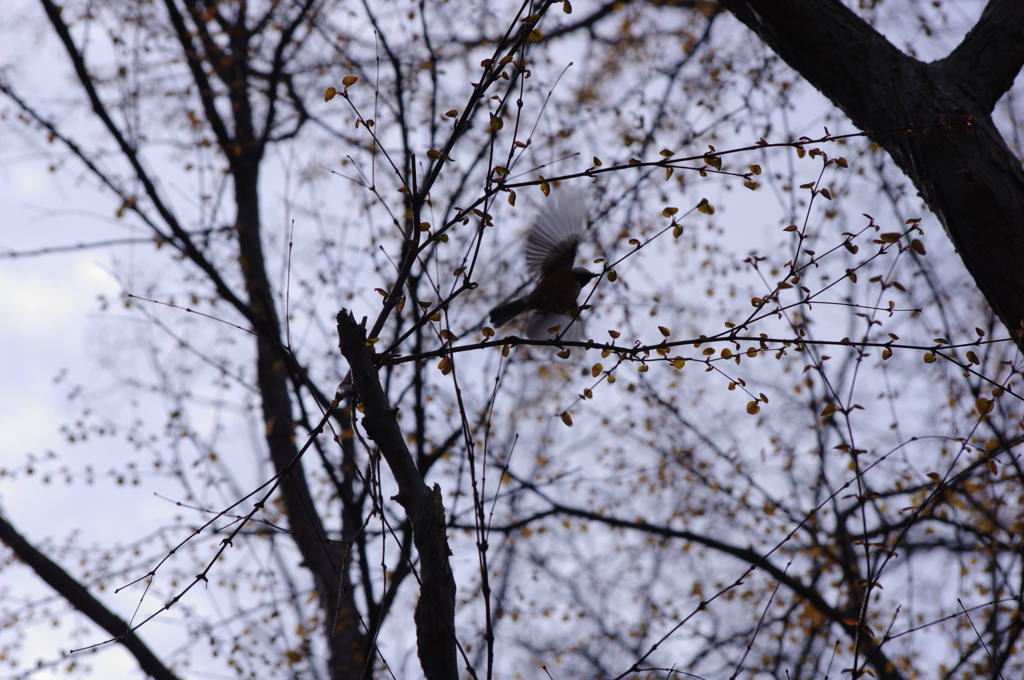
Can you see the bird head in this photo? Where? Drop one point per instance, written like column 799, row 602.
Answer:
column 583, row 276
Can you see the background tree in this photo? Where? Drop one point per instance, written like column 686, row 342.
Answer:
column 761, row 476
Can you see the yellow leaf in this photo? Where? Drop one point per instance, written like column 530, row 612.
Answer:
column 330, row 94
column 828, row 410
column 566, row 418
column 349, row 81
column 753, row 408
column 929, row 357
column 596, row 369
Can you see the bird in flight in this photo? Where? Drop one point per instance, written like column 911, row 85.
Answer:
column 550, row 251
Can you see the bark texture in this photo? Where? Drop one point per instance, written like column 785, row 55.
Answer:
column 79, row 597
column 966, row 174
column 435, row 611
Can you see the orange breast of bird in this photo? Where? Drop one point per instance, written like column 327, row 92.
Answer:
column 555, row 294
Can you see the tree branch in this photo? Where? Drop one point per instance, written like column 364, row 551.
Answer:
column 435, row 611
column 991, row 55
column 79, row 597
column 968, row 177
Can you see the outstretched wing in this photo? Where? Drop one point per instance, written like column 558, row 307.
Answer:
column 552, row 326
column 555, row 233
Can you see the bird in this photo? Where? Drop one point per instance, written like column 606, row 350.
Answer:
column 550, row 252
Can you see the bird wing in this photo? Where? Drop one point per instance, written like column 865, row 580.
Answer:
column 555, row 233
column 539, row 326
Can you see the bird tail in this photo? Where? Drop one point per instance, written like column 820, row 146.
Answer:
column 502, row 314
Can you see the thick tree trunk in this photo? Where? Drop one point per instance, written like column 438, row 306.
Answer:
column 969, row 178
column 326, row 561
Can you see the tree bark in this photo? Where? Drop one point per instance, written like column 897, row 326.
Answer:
column 326, row 561
column 435, row 611
column 966, row 174
column 79, row 597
